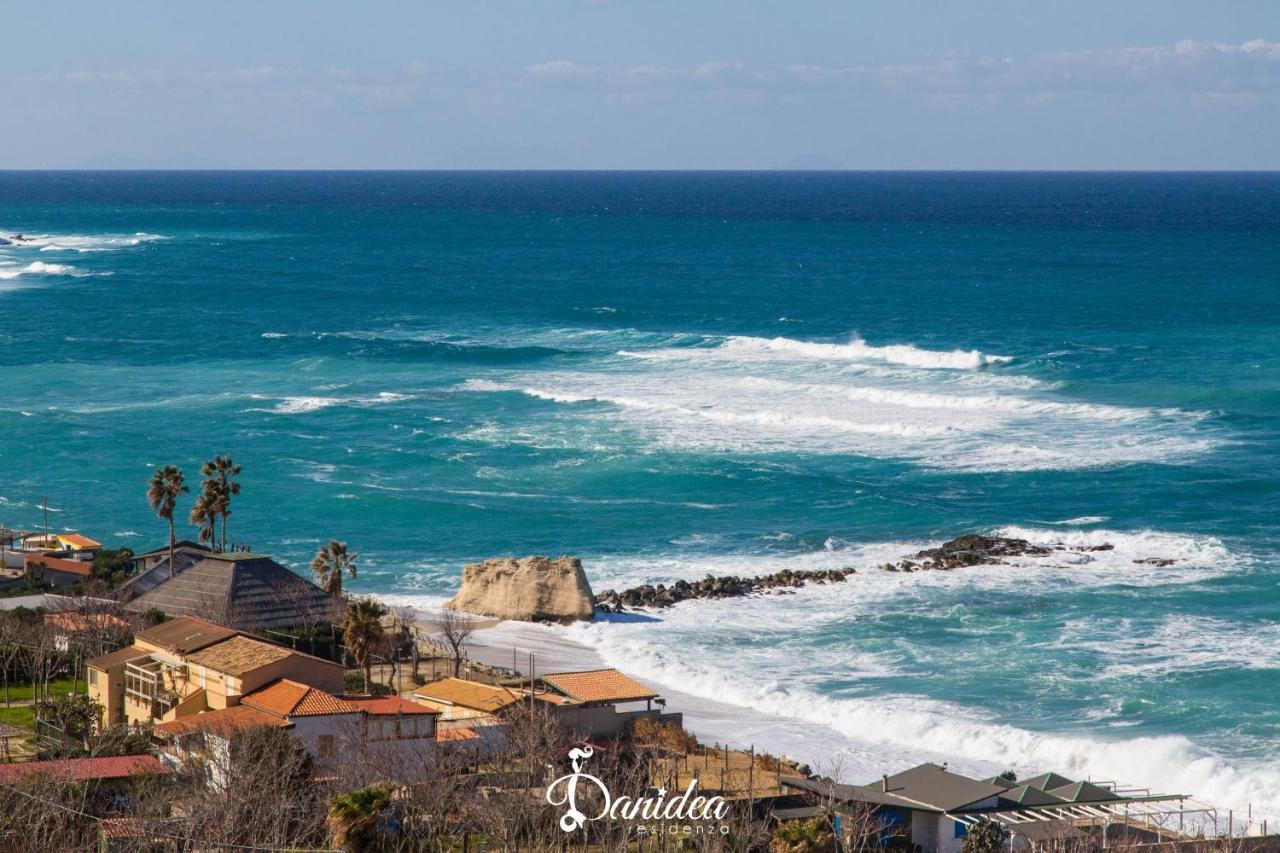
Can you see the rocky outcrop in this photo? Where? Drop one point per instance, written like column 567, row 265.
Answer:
column 532, row 589
column 969, row 550
column 730, row 586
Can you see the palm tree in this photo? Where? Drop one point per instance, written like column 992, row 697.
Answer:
column 363, row 633
column 218, row 472
column 163, row 490
column 204, row 515
column 329, row 564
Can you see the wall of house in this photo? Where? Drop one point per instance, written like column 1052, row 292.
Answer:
column 607, row 721
column 314, row 672
column 106, row 687
column 342, row 739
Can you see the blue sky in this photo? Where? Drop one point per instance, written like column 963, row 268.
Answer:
column 642, row 84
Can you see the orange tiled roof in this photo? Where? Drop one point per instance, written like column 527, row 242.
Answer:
column 456, row 735
column 231, row 719
column 468, row 694
column 387, row 705
column 72, row 622
column 84, row 769
column 291, row 699
column 78, row 541
column 599, row 685
column 58, row 564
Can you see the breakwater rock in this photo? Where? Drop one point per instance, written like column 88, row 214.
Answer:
column 965, row 551
column 730, row 586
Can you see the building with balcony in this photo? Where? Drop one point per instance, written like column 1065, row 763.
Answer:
column 187, row 666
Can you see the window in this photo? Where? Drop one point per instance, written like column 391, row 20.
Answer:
column 328, row 746
column 93, row 678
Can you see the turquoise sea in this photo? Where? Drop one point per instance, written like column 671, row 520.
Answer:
column 671, row 374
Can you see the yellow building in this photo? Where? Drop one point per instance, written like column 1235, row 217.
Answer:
column 186, row 666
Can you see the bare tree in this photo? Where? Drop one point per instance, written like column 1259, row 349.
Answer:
column 456, row 630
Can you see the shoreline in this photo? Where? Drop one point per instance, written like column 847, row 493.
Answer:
column 827, row 733
column 824, row 749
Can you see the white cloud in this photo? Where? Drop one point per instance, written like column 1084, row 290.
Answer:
column 562, row 70
column 1202, row 71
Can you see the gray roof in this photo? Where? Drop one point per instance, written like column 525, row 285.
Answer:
column 250, row 591
column 936, row 786
column 163, row 550
column 851, row 793
column 1048, row 781
column 1085, row 792
column 1003, row 782
column 185, row 634
column 1025, row 795
column 183, row 559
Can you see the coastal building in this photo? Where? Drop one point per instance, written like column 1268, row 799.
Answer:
column 72, row 544
column 460, row 699
column 187, row 666
column 380, row 735
column 934, row 808
column 43, row 570
column 150, row 559
column 249, row 591
column 600, row 703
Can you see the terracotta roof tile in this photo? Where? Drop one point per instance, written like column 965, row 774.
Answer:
column 78, row 540
column 468, row 694
column 456, row 735
column 599, row 685
column 238, row 655
column 388, row 705
column 73, row 622
column 291, row 699
column 58, row 564
column 224, row 720
column 85, row 769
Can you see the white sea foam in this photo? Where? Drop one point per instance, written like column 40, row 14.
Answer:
column 696, row 652
column 745, row 348
column 303, row 405
column 8, row 273
column 935, row 418
column 889, row 730
column 85, row 242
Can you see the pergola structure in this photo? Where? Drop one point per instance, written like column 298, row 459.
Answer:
column 1150, row 811
column 9, row 536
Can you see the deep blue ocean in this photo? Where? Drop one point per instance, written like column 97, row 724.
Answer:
column 671, row 374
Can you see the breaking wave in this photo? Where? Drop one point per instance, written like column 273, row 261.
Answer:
column 746, row 348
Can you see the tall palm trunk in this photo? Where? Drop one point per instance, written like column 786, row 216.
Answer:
column 223, row 546
column 172, row 542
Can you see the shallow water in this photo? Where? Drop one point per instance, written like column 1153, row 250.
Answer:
column 675, row 374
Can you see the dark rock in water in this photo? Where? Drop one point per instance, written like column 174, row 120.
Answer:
column 970, row 550
column 975, row 550
column 1160, row 562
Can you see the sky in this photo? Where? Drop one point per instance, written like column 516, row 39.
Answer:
column 641, row 84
